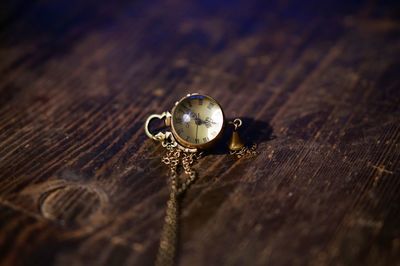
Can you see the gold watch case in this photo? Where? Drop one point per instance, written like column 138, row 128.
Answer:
column 188, row 144
column 173, row 138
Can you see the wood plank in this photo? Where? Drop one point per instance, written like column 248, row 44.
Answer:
column 316, row 85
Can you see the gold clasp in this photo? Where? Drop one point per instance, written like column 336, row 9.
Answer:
column 160, row 136
column 236, row 123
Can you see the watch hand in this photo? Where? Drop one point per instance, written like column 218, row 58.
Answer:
column 198, row 119
column 210, row 121
column 203, row 122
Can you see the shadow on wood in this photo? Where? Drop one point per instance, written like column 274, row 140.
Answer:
column 251, row 132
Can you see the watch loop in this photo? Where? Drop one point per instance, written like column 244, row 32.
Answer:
column 160, row 136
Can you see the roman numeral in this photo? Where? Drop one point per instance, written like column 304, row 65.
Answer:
column 197, row 140
column 187, row 138
column 187, row 109
column 210, row 106
column 205, row 139
column 200, row 101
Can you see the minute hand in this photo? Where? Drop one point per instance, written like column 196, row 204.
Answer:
column 197, row 124
column 208, row 121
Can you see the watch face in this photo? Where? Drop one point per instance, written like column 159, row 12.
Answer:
column 197, row 120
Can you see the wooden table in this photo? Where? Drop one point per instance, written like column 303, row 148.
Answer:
column 316, row 83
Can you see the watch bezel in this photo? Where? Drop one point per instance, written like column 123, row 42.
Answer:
column 201, row 146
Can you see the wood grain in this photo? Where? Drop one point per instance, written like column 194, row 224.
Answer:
column 316, row 84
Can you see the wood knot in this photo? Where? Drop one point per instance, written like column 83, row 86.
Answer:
column 74, row 205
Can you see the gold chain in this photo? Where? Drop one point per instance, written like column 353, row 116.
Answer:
column 169, row 239
column 173, row 158
column 245, row 151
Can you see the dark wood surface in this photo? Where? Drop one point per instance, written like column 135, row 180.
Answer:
column 317, row 83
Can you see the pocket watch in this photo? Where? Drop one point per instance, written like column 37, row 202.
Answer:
column 197, row 123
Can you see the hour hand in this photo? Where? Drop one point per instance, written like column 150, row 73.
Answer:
column 198, row 120
column 201, row 121
column 208, row 122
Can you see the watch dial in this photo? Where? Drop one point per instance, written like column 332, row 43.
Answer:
column 197, row 119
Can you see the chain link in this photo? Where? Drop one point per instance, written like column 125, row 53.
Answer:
column 169, row 236
column 245, row 151
column 173, row 158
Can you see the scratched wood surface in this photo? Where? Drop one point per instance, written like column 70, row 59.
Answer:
column 316, row 82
